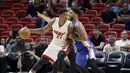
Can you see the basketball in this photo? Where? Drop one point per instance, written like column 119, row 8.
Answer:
column 24, row 33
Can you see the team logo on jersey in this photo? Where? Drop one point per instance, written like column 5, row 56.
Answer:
column 59, row 34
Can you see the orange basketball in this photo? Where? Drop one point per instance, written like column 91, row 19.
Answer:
column 24, row 33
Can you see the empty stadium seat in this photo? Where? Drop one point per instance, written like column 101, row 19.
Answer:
column 100, row 12
column 4, row 34
column 104, row 27
column 37, row 40
column 25, row 21
column 114, row 62
column 4, row 27
column 126, row 66
column 20, row 13
column 95, row 20
column 99, row 6
column 60, row 5
column 90, row 33
column 31, row 25
column 89, row 28
column 11, row 20
column 90, row 13
column 26, row 6
column 101, row 58
column 16, row 26
column 17, row 6
column 106, row 34
column 84, row 20
column 7, row 13
column 118, row 27
column 1, row 20
column 48, row 34
column 6, row 5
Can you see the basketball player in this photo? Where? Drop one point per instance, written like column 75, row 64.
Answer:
column 85, row 48
column 62, row 28
column 85, row 55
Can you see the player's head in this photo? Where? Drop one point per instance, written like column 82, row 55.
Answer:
column 63, row 13
column 74, row 12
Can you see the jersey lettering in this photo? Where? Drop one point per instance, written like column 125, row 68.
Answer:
column 59, row 34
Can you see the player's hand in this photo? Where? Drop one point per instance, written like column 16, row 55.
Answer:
column 39, row 14
column 24, row 28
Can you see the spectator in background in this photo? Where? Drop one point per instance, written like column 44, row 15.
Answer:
column 128, row 1
column 32, row 9
column 50, row 8
column 124, row 15
column 11, row 39
column 86, row 5
column 98, row 39
column 27, row 59
column 124, row 42
column 127, row 25
column 111, row 47
column 3, row 63
column 108, row 16
column 41, row 22
column 19, row 46
column 117, row 8
column 3, row 42
column 40, row 48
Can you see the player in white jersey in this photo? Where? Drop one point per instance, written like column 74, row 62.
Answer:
column 62, row 28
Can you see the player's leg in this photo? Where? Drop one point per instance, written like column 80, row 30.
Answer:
column 81, row 69
column 72, row 57
column 39, row 64
column 55, row 67
column 92, row 64
column 60, row 62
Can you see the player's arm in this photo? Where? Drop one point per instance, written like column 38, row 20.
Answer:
column 81, row 31
column 70, row 39
column 70, row 32
column 47, row 19
column 47, row 28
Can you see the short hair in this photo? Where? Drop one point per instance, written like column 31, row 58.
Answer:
column 62, row 10
column 96, row 27
column 76, row 10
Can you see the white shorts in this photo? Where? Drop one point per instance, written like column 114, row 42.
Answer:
column 52, row 51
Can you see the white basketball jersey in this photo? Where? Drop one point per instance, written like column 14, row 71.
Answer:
column 60, row 33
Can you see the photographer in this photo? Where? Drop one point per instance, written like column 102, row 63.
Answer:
column 16, row 49
column 2, row 60
column 27, row 59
